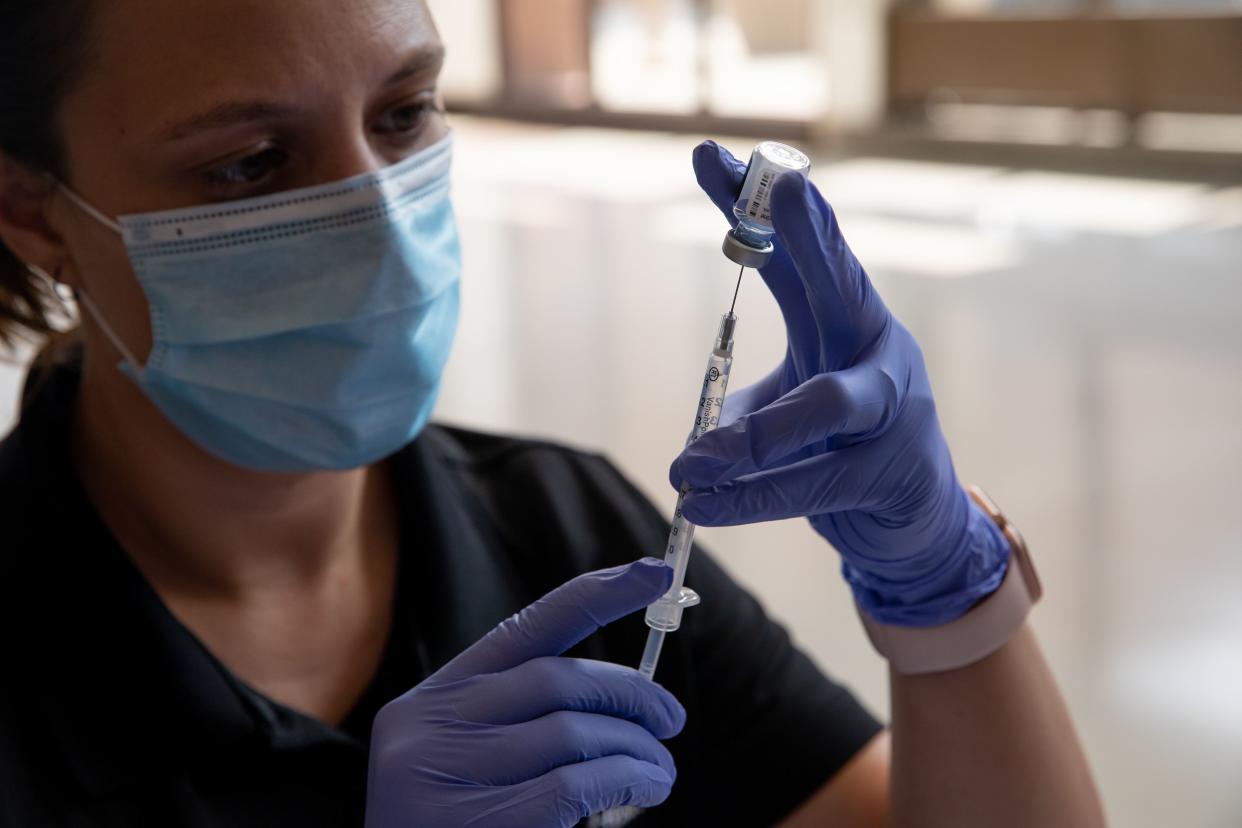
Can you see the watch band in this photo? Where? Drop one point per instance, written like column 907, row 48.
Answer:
column 981, row 631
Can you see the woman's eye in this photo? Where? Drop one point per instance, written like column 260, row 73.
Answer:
column 248, row 171
column 405, row 119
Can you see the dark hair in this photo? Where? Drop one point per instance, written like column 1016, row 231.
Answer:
column 42, row 45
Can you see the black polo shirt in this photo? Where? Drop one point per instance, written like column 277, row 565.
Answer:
column 113, row 714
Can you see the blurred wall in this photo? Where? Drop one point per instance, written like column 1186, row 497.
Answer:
column 471, row 30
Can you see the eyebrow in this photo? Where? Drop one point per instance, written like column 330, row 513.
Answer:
column 426, row 59
column 227, row 114
column 234, row 113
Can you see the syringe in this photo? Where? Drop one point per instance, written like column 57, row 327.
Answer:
column 749, row 244
column 664, row 616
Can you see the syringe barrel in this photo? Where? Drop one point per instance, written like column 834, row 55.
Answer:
column 665, row 613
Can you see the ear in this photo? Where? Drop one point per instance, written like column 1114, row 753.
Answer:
column 26, row 199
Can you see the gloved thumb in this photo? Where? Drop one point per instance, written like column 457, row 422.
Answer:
column 562, row 618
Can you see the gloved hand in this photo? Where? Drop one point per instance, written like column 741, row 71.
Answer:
column 510, row 734
column 844, row 431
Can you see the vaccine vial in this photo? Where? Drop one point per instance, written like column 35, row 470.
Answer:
column 750, row 243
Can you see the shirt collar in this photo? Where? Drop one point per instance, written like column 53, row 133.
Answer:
column 127, row 690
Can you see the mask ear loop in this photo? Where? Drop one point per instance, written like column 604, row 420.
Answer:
column 86, row 207
column 81, row 296
column 93, row 310
column 66, row 294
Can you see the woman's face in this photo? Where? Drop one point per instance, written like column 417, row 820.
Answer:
column 186, row 102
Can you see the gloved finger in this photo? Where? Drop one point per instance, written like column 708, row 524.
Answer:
column 562, row 618
column 753, row 397
column 513, row 754
column 575, row 792
column 853, row 402
column 545, row 685
column 721, row 176
column 836, row 481
column 848, row 312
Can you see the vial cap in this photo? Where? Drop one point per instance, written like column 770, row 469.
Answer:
column 739, row 252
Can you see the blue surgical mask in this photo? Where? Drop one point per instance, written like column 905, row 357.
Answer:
column 305, row 330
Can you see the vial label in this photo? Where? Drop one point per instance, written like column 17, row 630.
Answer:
column 754, row 205
column 760, row 206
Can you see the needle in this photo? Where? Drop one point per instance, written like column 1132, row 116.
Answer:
column 737, row 289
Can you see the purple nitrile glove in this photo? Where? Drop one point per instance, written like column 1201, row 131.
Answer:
column 511, row 734
column 844, row 431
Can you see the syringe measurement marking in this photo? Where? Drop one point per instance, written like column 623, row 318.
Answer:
column 682, row 531
column 665, row 614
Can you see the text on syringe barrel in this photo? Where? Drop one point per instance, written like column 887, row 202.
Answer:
column 661, row 615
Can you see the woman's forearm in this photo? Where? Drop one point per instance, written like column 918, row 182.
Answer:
column 990, row 744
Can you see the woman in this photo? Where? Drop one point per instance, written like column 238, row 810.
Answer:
column 245, row 584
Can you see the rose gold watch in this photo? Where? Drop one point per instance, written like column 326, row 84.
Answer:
column 981, row 631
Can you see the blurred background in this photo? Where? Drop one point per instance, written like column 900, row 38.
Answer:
column 1049, row 194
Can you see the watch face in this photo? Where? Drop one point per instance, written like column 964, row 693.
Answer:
column 1025, row 565
column 1017, row 544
